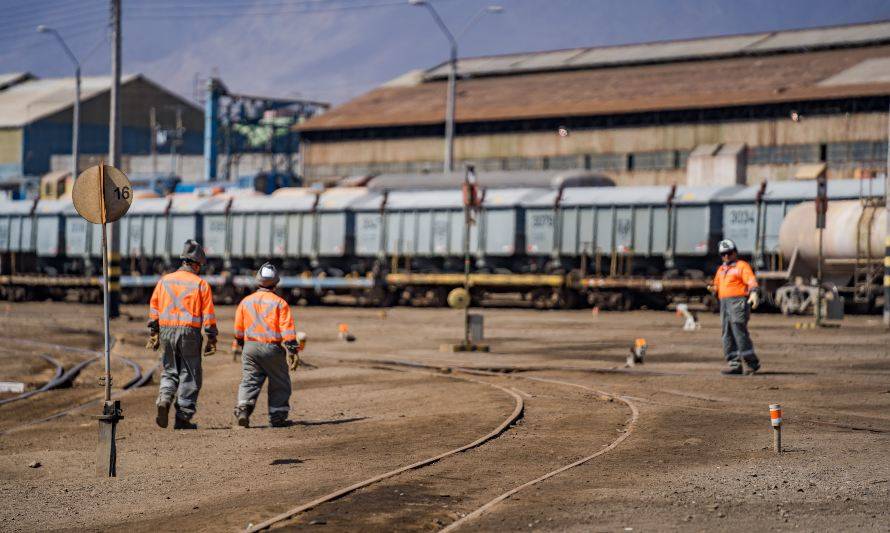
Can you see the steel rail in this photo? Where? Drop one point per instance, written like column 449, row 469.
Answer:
column 487, row 507
column 518, row 410
column 52, row 383
column 140, row 379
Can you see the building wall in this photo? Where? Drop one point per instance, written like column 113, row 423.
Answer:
column 10, row 152
column 633, row 155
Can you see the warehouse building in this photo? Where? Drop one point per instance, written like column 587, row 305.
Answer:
column 731, row 109
column 36, row 121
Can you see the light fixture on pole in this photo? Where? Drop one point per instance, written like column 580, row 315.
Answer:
column 450, row 102
column 75, row 128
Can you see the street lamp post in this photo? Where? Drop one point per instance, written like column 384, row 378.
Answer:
column 75, row 147
column 450, row 102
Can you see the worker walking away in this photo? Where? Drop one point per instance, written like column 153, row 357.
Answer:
column 181, row 305
column 267, row 340
column 736, row 288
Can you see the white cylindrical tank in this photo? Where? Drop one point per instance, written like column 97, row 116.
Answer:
column 839, row 241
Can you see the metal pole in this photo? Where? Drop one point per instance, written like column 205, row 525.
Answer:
column 114, row 155
column 106, row 312
column 887, row 233
column 449, row 110
column 75, row 133
column 819, row 282
column 153, row 126
column 75, row 126
column 467, row 273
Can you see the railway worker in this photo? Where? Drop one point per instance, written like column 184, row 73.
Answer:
column 736, row 288
column 266, row 338
column 181, row 304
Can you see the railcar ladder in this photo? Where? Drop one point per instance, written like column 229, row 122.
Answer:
column 865, row 269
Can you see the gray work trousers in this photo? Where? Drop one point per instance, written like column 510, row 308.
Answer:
column 181, row 375
column 260, row 360
column 737, row 345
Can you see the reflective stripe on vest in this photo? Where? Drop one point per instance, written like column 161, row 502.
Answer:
column 259, row 330
column 175, row 310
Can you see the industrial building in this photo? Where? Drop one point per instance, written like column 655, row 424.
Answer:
column 36, row 121
column 720, row 110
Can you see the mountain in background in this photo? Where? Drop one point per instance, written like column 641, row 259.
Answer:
column 333, row 50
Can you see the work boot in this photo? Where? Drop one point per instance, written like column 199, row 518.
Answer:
column 163, row 412
column 181, row 423
column 279, row 422
column 753, row 366
column 242, row 413
column 732, row 371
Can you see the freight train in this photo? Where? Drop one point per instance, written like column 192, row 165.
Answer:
column 549, row 240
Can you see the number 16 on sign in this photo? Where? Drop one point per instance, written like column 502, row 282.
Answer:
column 103, row 194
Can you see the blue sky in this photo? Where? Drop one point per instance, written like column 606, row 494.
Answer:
column 336, row 49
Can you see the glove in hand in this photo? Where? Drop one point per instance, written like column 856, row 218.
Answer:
column 754, row 299
column 154, row 342
column 210, row 347
column 293, row 360
column 237, row 349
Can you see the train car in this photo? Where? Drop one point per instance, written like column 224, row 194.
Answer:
column 17, row 235
column 263, row 227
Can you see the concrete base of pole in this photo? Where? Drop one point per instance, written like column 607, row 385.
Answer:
column 107, row 451
column 464, row 347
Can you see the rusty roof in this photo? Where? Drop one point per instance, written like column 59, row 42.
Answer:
column 695, row 84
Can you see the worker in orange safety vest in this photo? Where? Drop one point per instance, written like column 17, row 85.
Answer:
column 736, row 287
column 181, row 304
column 266, row 338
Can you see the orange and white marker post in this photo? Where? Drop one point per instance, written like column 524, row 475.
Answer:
column 775, row 416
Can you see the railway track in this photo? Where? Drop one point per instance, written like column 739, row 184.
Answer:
column 518, row 409
column 52, row 383
column 452, row 371
column 138, row 379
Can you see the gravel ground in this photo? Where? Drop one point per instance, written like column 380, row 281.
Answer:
column 699, row 456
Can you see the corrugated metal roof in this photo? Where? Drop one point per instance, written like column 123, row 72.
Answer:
column 26, row 102
column 8, row 79
column 737, row 81
column 491, row 179
column 705, row 48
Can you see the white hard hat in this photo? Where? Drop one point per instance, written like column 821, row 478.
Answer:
column 725, row 246
column 267, row 275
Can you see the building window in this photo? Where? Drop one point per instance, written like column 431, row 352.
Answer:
column 604, row 162
column 663, row 160
column 856, row 153
column 786, row 154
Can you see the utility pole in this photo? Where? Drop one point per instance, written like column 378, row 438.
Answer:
column 114, row 157
column 887, row 232
column 153, row 126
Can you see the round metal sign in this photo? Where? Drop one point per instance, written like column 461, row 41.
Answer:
column 102, row 194
column 459, row 298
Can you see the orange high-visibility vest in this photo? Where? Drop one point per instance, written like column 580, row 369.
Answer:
column 264, row 317
column 182, row 298
column 734, row 279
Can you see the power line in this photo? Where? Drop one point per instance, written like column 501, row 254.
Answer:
column 235, row 14
column 71, row 22
column 63, row 12
column 36, row 43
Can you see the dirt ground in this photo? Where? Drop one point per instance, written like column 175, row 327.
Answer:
column 697, row 457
